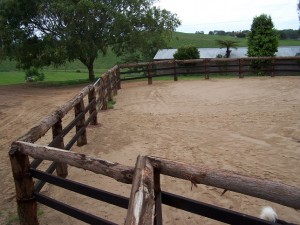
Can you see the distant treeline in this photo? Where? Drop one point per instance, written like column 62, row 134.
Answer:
column 287, row 34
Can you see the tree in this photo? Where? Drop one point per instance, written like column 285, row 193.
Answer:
column 263, row 38
column 40, row 33
column 187, row 52
column 299, row 10
column 227, row 44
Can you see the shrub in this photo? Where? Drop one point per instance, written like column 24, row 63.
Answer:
column 32, row 75
column 186, row 52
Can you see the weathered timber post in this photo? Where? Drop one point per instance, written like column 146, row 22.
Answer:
column 100, row 93
column 118, row 77
column 141, row 209
column 93, row 108
column 273, row 68
column 241, row 75
column 149, row 74
column 175, row 71
column 27, row 206
column 206, row 61
column 157, row 193
column 108, row 84
column 61, row 168
column 79, row 109
column 104, row 94
column 115, row 82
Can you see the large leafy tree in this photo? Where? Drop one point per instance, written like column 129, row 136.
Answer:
column 228, row 44
column 298, row 7
column 43, row 32
column 263, row 38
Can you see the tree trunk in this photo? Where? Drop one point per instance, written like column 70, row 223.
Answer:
column 91, row 72
column 228, row 51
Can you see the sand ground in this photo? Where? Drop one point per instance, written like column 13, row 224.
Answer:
column 250, row 126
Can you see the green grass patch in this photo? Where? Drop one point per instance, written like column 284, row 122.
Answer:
column 111, row 104
column 12, row 219
column 209, row 41
column 51, row 77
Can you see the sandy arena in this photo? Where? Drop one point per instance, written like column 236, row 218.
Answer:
column 250, row 126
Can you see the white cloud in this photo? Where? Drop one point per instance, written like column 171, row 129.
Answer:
column 231, row 14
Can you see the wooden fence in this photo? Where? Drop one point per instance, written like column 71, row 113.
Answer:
column 144, row 205
column 272, row 66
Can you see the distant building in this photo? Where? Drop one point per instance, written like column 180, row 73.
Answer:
column 165, row 54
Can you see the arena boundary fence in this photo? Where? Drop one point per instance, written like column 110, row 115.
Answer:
column 144, row 205
column 272, row 66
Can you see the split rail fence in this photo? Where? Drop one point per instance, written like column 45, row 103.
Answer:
column 273, row 66
column 144, row 205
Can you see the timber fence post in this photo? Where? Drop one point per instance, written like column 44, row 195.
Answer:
column 109, row 92
column 27, row 206
column 115, row 82
column 141, row 208
column 93, row 108
column 149, row 74
column 118, row 77
column 61, row 168
column 104, row 94
column 273, row 67
column 241, row 75
column 206, row 61
column 158, row 202
column 79, row 108
column 175, row 71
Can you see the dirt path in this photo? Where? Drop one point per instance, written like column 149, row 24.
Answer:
column 251, row 126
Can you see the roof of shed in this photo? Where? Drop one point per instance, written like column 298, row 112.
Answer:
column 235, row 53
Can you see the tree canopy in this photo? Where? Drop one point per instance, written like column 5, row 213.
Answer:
column 263, row 38
column 44, row 32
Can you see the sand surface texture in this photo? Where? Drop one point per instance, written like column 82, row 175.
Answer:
column 250, row 126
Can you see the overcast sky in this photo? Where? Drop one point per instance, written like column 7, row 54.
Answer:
column 230, row 15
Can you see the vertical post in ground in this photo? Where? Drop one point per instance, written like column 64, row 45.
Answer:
column 104, row 94
column 273, row 68
column 141, row 209
column 158, row 204
column 118, row 77
column 175, row 71
column 108, row 85
column 27, row 206
column 149, row 74
column 241, row 75
column 93, row 107
column 115, row 82
column 61, row 168
column 79, row 109
column 206, row 61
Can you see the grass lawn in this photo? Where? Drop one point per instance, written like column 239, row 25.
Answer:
column 51, row 77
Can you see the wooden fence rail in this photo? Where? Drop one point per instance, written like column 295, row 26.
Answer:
column 145, row 203
column 144, row 193
column 241, row 66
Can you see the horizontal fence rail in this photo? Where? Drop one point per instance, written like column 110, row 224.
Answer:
column 144, row 204
column 115, row 170
column 204, row 67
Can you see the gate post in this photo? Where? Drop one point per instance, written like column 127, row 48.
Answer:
column 27, row 206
